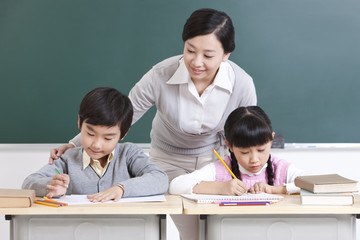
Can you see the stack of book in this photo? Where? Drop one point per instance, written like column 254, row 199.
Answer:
column 326, row 189
column 16, row 198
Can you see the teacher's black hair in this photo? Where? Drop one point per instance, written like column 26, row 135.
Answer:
column 206, row 21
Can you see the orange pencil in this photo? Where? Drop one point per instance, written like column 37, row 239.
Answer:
column 232, row 174
column 53, row 201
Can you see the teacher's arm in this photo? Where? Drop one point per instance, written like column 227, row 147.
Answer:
column 142, row 95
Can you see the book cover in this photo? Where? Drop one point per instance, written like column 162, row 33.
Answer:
column 205, row 198
column 328, row 199
column 326, row 183
column 16, row 198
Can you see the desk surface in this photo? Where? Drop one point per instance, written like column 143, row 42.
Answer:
column 289, row 205
column 172, row 205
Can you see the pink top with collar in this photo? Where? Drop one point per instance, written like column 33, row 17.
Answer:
column 280, row 168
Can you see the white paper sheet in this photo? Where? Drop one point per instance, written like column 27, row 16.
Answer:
column 82, row 199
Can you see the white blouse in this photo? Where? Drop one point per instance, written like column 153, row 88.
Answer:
column 206, row 112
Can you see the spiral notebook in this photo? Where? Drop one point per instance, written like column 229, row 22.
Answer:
column 204, row 198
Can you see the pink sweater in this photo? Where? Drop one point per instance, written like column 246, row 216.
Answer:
column 280, row 168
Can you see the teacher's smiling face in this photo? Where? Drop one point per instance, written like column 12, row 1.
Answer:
column 202, row 57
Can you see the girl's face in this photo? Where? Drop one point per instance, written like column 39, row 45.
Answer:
column 203, row 56
column 254, row 158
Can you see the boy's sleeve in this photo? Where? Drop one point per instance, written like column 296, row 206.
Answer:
column 147, row 178
column 38, row 181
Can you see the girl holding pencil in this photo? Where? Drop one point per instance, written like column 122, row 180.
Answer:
column 249, row 168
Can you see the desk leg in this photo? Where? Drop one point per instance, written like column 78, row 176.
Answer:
column 162, row 225
column 202, row 227
column 10, row 218
column 355, row 218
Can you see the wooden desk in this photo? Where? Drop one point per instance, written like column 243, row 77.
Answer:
column 101, row 221
column 287, row 219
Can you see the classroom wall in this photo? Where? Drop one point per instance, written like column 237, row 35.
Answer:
column 19, row 160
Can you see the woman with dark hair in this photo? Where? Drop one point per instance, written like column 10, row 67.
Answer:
column 193, row 93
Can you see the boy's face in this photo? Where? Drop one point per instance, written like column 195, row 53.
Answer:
column 99, row 141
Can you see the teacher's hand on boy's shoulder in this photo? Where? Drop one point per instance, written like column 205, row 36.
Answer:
column 55, row 153
column 114, row 193
column 58, row 185
column 234, row 187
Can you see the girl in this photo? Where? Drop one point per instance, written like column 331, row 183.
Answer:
column 248, row 135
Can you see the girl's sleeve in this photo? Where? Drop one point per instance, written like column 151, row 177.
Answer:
column 292, row 173
column 142, row 95
column 184, row 184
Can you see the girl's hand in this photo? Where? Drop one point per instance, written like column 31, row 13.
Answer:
column 260, row 187
column 58, row 185
column 234, row 187
column 266, row 188
column 57, row 152
column 113, row 193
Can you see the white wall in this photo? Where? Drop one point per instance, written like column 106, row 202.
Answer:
column 19, row 160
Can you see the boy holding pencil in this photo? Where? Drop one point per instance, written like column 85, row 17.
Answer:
column 101, row 168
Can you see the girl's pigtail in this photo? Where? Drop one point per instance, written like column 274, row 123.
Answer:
column 235, row 166
column 270, row 172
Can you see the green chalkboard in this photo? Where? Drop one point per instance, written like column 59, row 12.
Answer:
column 304, row 57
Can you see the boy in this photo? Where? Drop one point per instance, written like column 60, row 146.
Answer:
column 102, row 168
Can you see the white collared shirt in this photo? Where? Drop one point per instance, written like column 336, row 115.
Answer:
column 199, row 114
column 95, row 164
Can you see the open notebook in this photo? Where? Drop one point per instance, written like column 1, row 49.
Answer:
column 204, row 198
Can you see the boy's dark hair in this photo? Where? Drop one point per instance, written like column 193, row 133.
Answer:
column 106, row 106
column 205, row 21
column 248, row 127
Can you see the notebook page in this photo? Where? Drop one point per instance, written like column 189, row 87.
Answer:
column 204, row 198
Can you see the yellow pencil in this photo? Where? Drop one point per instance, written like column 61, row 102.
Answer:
column 232, row 174
column 47, row 203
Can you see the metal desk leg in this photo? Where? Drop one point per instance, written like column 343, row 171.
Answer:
column 10, row 218
column 162, row 219
column 202, row 227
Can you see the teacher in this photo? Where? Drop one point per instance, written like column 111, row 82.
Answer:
column 193, row 93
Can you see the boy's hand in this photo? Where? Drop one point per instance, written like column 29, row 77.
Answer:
column 113, row 193
column 55, row 153
column 260, row 187
column 234, row 187
column 58, row 185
